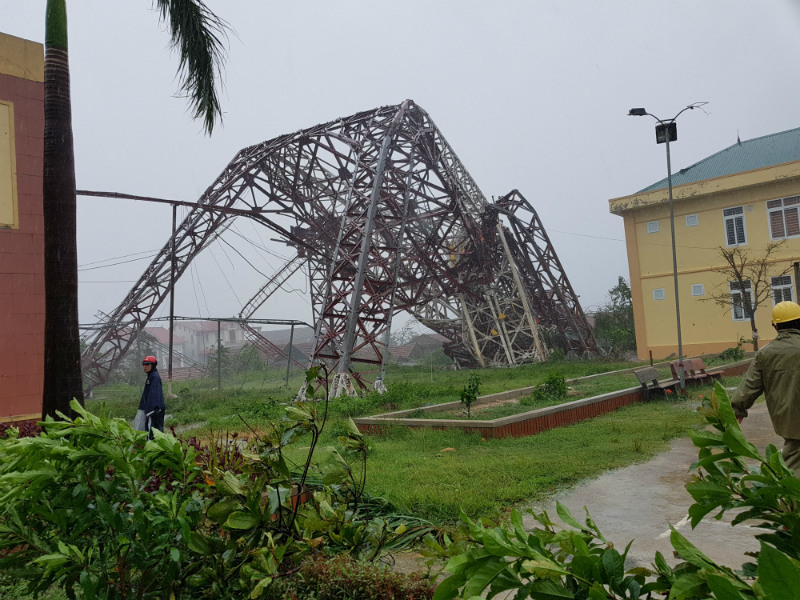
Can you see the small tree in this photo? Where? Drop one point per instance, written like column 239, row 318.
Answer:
column 129, row 370
column 470, row 392
column 747, row 282
column 220, row 361
column 249, row 359
column 614, row 321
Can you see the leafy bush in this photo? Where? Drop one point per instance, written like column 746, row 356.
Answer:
column 94, row 508
column 21, row 429
column 551, row 562
column 553, row 389
column 470, row 392
column 733, row 353
column 76, row 511
column 342, row 577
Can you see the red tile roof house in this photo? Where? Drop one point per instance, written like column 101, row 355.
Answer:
column 21, row 229
column 161, row 334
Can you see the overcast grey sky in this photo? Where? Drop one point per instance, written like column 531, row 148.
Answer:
column 530, row 94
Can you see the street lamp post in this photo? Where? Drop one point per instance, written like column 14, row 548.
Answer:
column 666, row 132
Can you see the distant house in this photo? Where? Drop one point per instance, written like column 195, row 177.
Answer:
column 21, row 228
column 746, row 195
column 161, row 335
column 200, row 338
column 417, row 349
column 300, row 352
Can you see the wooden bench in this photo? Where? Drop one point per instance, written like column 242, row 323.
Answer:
column 648, row 377
column 694, row 371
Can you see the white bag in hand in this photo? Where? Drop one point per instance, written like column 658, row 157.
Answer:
column 140, row 422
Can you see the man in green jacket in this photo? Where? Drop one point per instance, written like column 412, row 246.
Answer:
column 775, row 372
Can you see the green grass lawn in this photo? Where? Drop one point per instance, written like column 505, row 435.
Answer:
column 433, row 473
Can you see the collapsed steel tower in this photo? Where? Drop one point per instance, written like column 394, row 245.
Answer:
column 383, row 217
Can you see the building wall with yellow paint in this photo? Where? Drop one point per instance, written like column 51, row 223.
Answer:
column 700, row 232
column 21, row 228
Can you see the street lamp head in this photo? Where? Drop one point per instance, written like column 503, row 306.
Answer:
column 637, row 112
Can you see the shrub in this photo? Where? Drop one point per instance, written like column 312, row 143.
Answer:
column 342, row 577
column 733, row 353
column 94, row 508
column 23, row 429
column 553, row 389
column 470, row 392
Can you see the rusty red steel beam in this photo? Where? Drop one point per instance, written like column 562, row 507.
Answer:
column 386, row 218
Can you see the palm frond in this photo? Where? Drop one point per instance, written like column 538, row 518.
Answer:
column 200, row 38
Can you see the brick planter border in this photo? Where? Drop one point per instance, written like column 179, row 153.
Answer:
column 522, row 424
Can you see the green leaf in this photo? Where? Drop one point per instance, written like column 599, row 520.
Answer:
column 242, row 520
column 220, row 511
column 296, row 414
column 198, row 544
column 352, row 429
column 689, row 552
column 736, row 441
column 543, row 567
column 448, row 589
column 230, row 485
column 516, row 521
column 686, row 586
column 481, row 578
column 260, row 587
column 724, row 588
column 51, row 561
column 778, row 574
column 549, row 589
column 496, row 543
column 566, row 516
column 613, row 565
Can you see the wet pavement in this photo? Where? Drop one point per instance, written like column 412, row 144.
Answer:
column 640, row 502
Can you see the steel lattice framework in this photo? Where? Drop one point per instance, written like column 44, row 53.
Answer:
column 384, row 218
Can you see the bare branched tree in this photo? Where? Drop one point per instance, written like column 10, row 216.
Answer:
column 747, row 282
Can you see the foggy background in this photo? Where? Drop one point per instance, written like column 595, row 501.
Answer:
column 530, row 95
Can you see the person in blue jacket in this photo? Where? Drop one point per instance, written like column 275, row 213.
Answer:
column 152, row 402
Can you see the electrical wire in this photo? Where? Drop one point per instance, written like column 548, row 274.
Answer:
column 244, row 259
column 598, row 237
column 195, row 285
column 225, row 277
column 261, row 247
column 123, row 262
column 143, row 252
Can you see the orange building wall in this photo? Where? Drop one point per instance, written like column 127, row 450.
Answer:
column 22, row 246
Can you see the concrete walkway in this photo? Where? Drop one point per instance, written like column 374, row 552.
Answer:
column 641, row 501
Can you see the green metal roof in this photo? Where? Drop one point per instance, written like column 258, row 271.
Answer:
column 766, row 151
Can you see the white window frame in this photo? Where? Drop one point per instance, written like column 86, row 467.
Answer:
column 782, row 288
column 781, row 208
column 732, row 215
column 659, row 294
column 652, row 227
column 738, row 311
column 698, row 289
column 692, row 220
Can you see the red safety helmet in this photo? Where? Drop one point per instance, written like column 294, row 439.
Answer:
column 150, row 360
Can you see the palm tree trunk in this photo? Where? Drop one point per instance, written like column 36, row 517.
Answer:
column 62, row 354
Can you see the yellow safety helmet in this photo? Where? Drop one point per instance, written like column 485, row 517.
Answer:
column 785, row 311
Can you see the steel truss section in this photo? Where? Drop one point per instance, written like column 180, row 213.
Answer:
column 385, row 218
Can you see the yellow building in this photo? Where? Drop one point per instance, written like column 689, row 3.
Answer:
column 745, row 196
